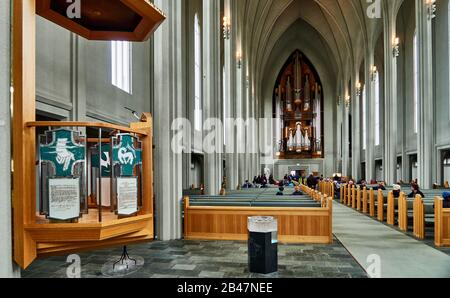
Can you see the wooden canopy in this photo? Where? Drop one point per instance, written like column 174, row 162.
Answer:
column 128, row 20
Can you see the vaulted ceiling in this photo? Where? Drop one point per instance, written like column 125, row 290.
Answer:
column 343, row 26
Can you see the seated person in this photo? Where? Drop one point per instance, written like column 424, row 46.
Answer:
column 280, row 191
column 397, row 190
column 311, row 182
column 415, row 191
column 297, row 192
column 446, row 196
column 380, row 185
column 247, row 184
column 446, row 185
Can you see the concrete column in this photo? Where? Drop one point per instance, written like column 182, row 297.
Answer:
column 169, row 92
column 78, row 79
column 240, row 132
column 426, row 100
column 391, row 101
column 211, row 91
column 356, row 128
column 7, row 266
column 370, row 94
column 345, row 132
column 230, row 99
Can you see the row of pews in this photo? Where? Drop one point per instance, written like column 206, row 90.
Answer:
column 301, row 219
column 403, row 212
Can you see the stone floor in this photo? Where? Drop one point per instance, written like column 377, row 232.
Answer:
column 209, row 259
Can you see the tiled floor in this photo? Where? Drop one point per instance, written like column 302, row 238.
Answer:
column 210, row 259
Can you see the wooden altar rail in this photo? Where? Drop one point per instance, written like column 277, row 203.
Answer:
column 295, row 225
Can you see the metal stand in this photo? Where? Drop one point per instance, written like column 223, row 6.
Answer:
column 124, row 258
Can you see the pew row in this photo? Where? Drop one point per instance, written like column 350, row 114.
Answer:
column 307, row 222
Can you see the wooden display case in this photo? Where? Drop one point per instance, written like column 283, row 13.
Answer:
column 34, row 235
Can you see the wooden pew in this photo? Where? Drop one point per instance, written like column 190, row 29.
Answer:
column 353, row 197
column 393, row 204
column 364, row 200
column 380, row 205
column 349, row 195
column 372, row 202
column 295, row 225
column 413, row 207
column 423, row 209
column 441, row 224
column 358, row 198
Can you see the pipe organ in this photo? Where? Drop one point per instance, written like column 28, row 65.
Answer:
column 298, row 110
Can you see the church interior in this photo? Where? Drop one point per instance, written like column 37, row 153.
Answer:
column 225, row 138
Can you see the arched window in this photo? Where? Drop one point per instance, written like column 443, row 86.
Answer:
column 416, row 83
column 377, row 110
column 364, row 118
column 198, row 113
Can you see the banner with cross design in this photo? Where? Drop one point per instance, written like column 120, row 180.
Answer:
column 105, row 162
column 125, row 154
column 64, row 152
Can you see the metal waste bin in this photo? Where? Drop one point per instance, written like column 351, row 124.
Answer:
column 262, row 245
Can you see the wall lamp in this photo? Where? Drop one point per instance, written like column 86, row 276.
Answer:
column 431, row 9
column 348, row 101
column 239, row 59
column 226, row 28
column 358, row 89
column 374, row 73
column 396, row 47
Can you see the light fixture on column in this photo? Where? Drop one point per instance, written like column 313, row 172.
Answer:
column 396, row 47
column 348, row 101
column 226, row 28
column 431, row 9
column 239, row 59
column 339, row 101
column 358, row 89
column 374, row 73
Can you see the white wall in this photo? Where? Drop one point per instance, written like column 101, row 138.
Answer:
column 73, row 77
column 7, row 268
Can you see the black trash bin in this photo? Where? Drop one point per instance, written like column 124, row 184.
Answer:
column 262, row 245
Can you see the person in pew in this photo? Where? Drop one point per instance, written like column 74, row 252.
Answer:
column 397, row 190
column 446, row 185
column 381, row 186
column 297, row 191
column 415, row 191
column 247, row 185
column 446, row 196
column 280, row 191
column 362, row 183
column 311, row 182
